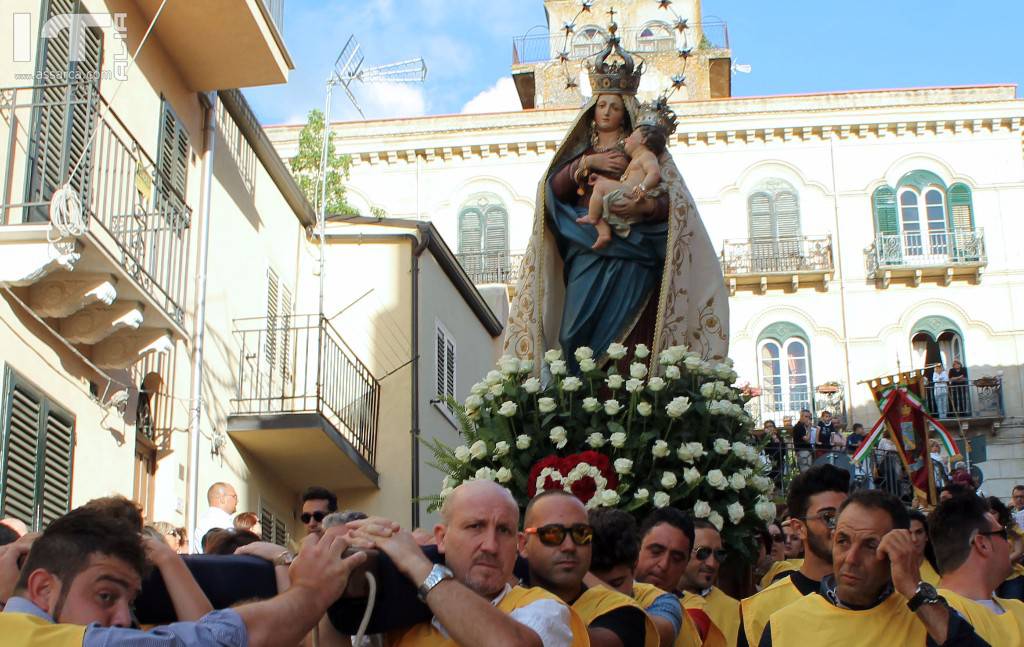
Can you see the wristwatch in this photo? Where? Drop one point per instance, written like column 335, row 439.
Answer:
column 437, row 575
column 925, row 594
column 284, row 559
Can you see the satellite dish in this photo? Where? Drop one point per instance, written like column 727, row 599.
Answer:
column 348, row 67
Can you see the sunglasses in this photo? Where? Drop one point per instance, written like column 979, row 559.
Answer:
column 318, row 515
column 828, row 516
column 704, row 552
column 1002, row 532
column 554, row 534
column 779, row 539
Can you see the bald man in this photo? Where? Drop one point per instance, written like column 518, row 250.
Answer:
column 223, row 502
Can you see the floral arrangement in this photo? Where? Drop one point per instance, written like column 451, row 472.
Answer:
column 665, row 431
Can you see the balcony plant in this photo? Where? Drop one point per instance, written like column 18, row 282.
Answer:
column 638, row 435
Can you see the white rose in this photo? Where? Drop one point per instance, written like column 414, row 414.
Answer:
column 474, row 402
column 722, row 446
column 496, row 389
column 609, row 498
column 761, row 483
column 666, row 357
column 668, row 480
column 644, row 409
column 501, row 448
column 571, row 384
column 503, row 475
column 596, row 440
column 590, row 405
column 558, row 436
column 678, row 406
column 717, row 520
column 508, row 409
column 582, row 353
column 616, row 351
column 531, row 385
column 723, row 371
column 633, row 385
column 587, row 365
column 508, row 364
column 478, row 449
column 692, row 362
column 612, row 407
column 691, row 475
column 484, row 474
column 707, row 391
column 623, row 465
column 655, row 384
column 737, row 482
column 684, row 453
column 479, row 388
column 557, row 367
column 672, row 372
column 446, row 492
column 641, row 494
column 660, row 449
column 696, row 449
column 462, row 454
column 552, row 355
column 637, row 371
column 735, row 511
column 525, row 365
column 614, row 381
column 717, row 480
column 740, row 449
column 618, row 439
column 546, row 405
column 641, row 351
column 494, row 377
column 764, row 509
column 661, row 499
column 701, row 509
column 522, row 441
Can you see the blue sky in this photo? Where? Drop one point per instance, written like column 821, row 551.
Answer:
column 794, row 46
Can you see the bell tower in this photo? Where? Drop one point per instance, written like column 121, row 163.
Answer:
column 672, row 38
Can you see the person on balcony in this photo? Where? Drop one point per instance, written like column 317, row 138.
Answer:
column 959, row 390
column 940, row 391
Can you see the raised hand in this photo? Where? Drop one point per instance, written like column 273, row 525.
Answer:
column 904, row 562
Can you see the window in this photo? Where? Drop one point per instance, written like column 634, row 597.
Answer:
column 785, row 374
column 923, row 233
column 277, row 346
column 483, row 238
column 588, row 41
column 444, row 352
column 37, row 452
column 172, row 168
column 655, row 37
column 273, row 527
column 774, row 216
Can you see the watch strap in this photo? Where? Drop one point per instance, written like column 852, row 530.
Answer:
column 437, row 574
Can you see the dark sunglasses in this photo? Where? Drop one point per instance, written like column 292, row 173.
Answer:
column 1002, row 532
column 306, row 516
column 554, row 534
column 704, row 552
column 828, row 516
column 779, row 538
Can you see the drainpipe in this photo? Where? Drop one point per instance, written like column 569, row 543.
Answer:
column 199, row 329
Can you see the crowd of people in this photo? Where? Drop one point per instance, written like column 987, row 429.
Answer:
column 836, row 568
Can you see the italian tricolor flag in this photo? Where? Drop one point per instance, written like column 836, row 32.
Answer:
column 895, row 396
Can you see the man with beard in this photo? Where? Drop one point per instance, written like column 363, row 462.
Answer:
column 557, row 543
column 666, row 537
column 874, row 595
column 813, row 501
column 699, row 579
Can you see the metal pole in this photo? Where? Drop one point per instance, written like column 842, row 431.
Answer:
column 321, row 231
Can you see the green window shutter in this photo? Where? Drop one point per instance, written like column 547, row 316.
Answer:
column 470, row 231
column 172, row 168
column 759, row 207
column 496, row 229
column 961, row 207
column 21, row 448
column 787, row 215
column 883, row 202
column 440, row 349
column 58, row 447
column 280, row 532
column 266, row 523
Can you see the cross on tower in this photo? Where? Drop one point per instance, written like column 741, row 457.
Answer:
column 611, row 14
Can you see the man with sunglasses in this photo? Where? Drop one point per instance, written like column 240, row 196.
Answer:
column 317, row 503
column 700, row 576
column 973, row 553
column 874, row 595
column 557, row 542
column 813, row 500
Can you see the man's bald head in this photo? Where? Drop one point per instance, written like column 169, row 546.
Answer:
column 222, row 495
column 570, row 500
column 473, row 490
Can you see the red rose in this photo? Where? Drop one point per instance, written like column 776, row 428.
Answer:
column 584, row 488
column 553, row 461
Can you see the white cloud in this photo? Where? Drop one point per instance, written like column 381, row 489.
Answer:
column 501, row 97
column 389, row 100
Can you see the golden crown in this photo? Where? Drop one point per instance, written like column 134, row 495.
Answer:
column 657, row 114
column 614, row 77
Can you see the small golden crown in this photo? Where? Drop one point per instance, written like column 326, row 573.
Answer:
column 614, row 78
column 657, row 114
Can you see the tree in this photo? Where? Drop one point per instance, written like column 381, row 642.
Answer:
column 306, row 167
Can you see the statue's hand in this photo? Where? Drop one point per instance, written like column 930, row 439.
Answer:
column 612, row 162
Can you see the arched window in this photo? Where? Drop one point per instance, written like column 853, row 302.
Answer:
column 655, row 37
column 785, row 373
column 588, row 41
column 937, row 340
column 483, row 237
column 922, row 217
column 774, row 215
column 923, row 233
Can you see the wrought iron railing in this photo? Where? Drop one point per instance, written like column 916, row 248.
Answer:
column 491, row 267
column 49, row 131
column 924, row 249
column 982, row 398
column 300, row 364
column 542, row 46
column 784, row 255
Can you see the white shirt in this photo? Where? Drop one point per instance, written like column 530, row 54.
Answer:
column 548, row 618
column 212, row 518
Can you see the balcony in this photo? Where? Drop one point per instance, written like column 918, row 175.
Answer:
column 306, row 406
column 119, row 283
column 222, row 45
column 786, row 262
column 491, row 267
column 543, row 46
column 943, row 255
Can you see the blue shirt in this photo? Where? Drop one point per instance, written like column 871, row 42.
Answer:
column 223, row 628
column 667, row 606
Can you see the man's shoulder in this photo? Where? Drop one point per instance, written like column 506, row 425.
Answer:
column 602, row 597
column 781, row 587
column 721, row 597
column 801, row 607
